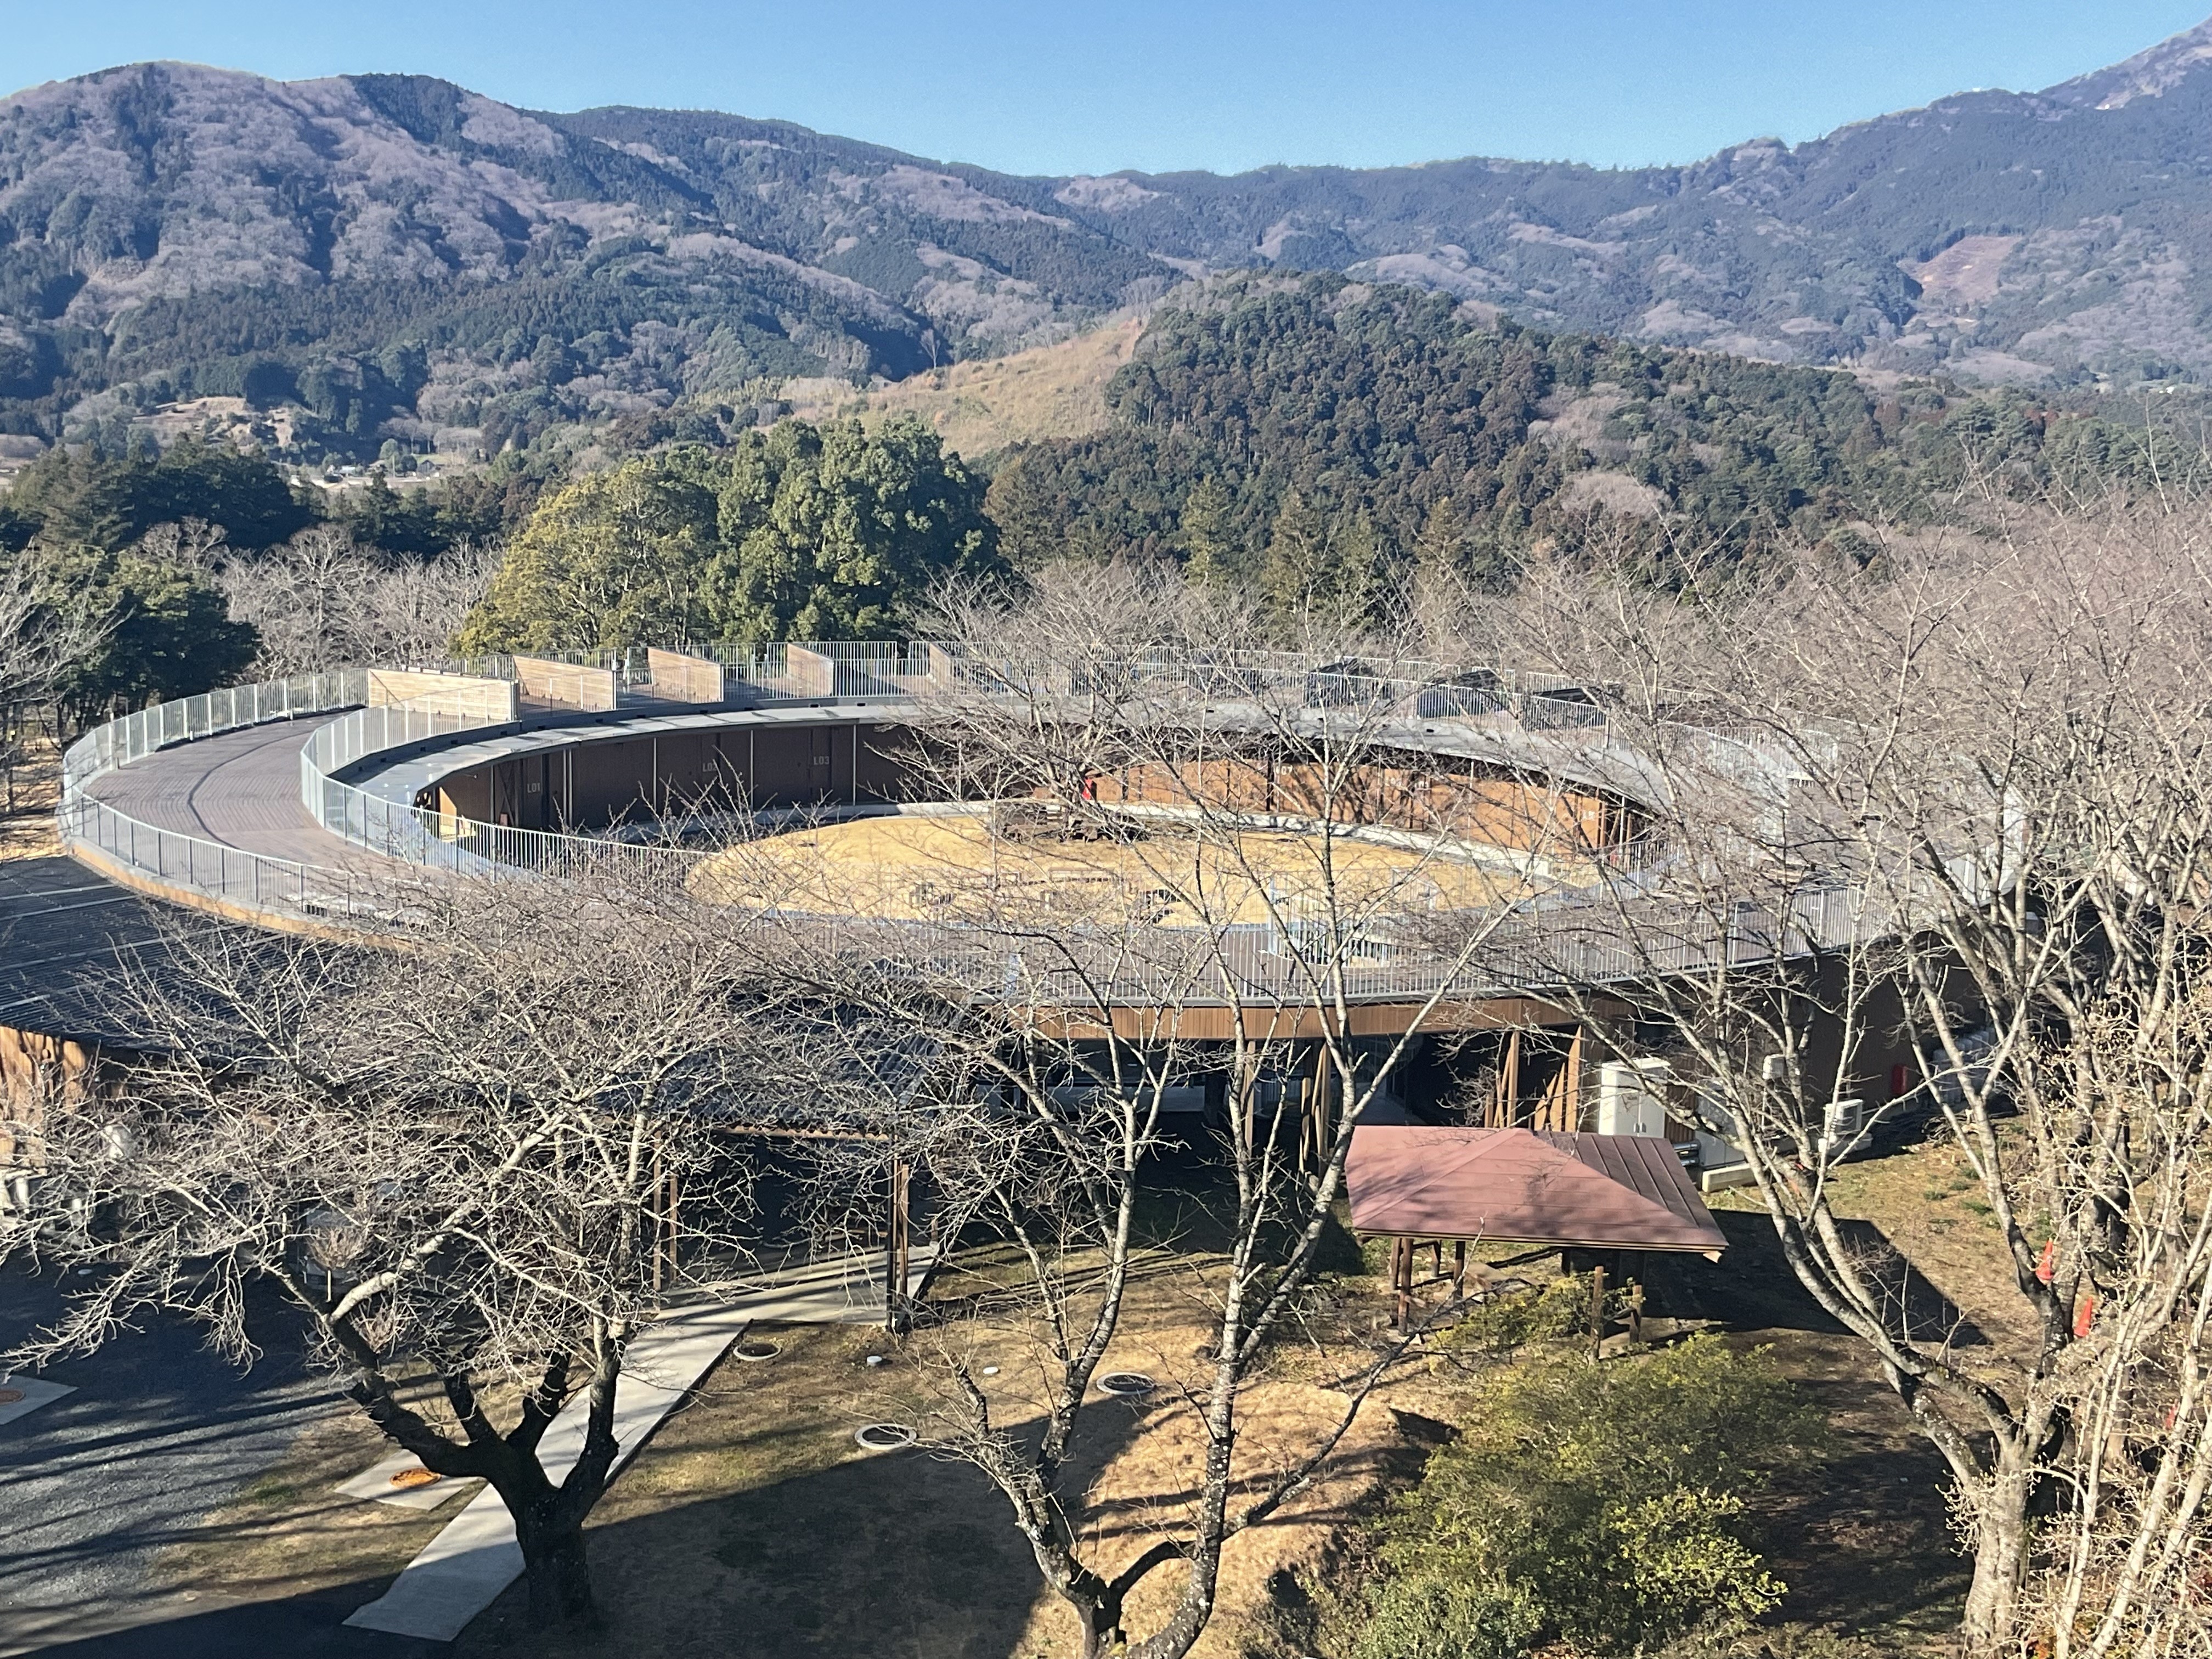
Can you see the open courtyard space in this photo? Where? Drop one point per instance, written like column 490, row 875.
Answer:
column 912, row 868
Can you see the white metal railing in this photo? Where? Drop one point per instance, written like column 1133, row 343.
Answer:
column 135, row 735
column 252, row 881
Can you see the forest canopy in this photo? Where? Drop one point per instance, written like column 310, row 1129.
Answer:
column 1316, row 436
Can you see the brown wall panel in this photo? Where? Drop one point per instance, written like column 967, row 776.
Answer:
column 610, row 781
column 783, row 772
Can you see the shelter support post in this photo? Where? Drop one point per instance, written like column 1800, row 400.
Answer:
column 899, row 1254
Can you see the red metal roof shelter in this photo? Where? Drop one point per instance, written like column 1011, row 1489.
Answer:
column 1526, row 1187
column 1410, row 1184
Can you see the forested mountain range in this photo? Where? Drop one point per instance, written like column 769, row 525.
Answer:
column 396, row 258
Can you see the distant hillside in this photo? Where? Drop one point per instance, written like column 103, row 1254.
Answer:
column 393, row 259
column 403, row 259
column 1997, row 235
column 1295, row 435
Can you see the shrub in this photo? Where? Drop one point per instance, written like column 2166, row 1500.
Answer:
column 1601, row 1505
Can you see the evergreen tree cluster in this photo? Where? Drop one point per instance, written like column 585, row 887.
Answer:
column 75, row 495
column 796, row 532
column 1318, row 437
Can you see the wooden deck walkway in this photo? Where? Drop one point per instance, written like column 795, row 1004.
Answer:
column 237, row 788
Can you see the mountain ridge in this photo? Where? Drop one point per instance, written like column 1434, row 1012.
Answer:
column 414, row 263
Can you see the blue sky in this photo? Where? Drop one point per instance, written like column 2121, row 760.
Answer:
column 1157, row 85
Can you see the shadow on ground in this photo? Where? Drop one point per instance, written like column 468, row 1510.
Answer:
column 899, row 1552
column 1863, row 1540
column 296, row 1627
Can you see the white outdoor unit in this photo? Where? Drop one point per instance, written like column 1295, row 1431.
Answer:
column 1843, row 1128
column 1631, row 1096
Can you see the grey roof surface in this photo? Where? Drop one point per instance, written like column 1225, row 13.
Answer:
column 239, row 788
column 65, row 930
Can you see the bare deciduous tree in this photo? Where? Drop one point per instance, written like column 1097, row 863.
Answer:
column 459, row 1159
column 1934, row 838
column 1211, row 905
column 322, row 598
column 43, row 636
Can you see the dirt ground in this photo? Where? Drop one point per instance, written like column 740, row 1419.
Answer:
column 27, row 808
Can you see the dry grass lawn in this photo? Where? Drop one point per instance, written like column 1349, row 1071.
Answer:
column 754, row 1526
column 925, row 868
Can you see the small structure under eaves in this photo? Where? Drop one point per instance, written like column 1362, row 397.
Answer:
column 1415, row 1184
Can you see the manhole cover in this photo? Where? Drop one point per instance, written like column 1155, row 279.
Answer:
column 409, row 1479
column 885, row 1436
column 1129, row 1385
column 11, row 1396
column 757, row 1351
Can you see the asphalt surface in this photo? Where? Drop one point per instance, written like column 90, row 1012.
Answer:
column 159, row 1434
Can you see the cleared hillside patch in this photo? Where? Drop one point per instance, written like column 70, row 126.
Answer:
column 976, row 408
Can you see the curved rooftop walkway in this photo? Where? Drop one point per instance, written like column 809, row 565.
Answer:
column 236, row 788
column 305, row 804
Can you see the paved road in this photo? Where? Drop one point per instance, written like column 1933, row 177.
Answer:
column 63, row 929
column 159, row 1434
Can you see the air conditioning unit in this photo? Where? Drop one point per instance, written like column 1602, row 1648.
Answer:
column 1631, row 1096
column 1843, row 1129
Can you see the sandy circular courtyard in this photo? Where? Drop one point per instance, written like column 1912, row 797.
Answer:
column 941, row 867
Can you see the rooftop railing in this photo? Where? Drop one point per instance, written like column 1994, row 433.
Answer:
column 1523, row 945
column 229, row 876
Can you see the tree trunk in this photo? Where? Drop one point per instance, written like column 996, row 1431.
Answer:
column 1101, row 1628
column 559, row 1574
column 2000, row 1554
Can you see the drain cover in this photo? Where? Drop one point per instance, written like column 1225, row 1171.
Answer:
column 1129, row 1385
column 885, row 1436
column 757, row 1351
column 409, row 1479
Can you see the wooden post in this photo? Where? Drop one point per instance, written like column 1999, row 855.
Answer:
column 1571, row 1117
column 1459, row 1268
column 1317, row 1111
column 1401, row 1277
column 1509, row 1081
column 1597, row 1309
column 899, row 1257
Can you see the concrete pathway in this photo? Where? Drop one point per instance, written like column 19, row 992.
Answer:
column 462, row 1570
